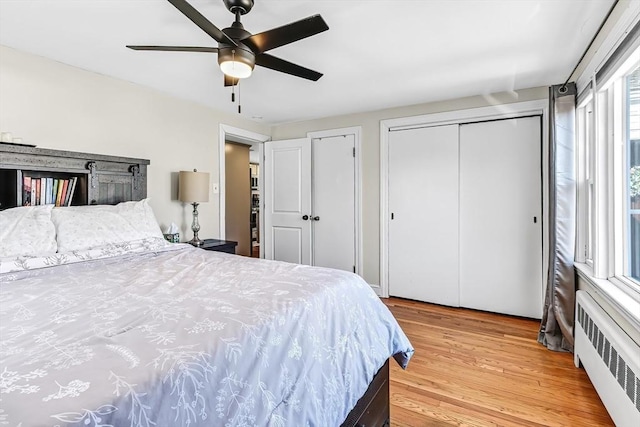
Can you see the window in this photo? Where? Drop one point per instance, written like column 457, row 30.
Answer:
column 586, row 128
column 632, row 181
column 589, row 170
column 608, row 160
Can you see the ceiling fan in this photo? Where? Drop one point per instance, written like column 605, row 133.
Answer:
column 238, row 50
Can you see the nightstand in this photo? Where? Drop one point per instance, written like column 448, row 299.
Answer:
column 228, row 246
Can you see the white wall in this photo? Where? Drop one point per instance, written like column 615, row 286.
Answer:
column 370, row 123
column 58, row 106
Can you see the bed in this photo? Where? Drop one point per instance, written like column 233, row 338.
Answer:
column 104, row 323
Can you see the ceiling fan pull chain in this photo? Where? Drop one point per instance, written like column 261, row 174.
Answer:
column 233, row 89
column 239, row 106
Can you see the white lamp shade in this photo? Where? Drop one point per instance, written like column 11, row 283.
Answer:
column 193, row 187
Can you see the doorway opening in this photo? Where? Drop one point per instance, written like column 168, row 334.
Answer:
column 240, row 154
column 254, row 222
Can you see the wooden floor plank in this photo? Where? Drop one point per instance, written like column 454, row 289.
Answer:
column 473, row 368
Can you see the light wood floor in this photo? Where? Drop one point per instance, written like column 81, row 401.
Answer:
column 474, row 368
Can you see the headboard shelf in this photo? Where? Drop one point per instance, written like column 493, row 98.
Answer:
column 101, row 179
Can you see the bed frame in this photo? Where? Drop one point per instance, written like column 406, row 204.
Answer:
column 101, row 180
column 109, row 180
column 373, row 407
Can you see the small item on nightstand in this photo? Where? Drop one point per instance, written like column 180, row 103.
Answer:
column 172, row 234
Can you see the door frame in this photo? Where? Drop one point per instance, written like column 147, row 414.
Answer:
column 239, row 135
column 356, row 131
column 472, row 115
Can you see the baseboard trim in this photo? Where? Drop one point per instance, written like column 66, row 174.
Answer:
column 376, row 288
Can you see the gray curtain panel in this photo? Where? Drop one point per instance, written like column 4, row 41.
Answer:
column 556, row 328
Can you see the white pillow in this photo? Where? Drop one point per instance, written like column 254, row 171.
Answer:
column 84, row 227
column 27, row 230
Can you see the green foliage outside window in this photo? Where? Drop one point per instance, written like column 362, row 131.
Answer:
column 634, row 181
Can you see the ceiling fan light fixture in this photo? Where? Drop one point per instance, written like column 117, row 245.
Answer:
column 236, row 63
column 236, row 69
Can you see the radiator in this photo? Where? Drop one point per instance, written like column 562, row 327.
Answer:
column 610, row 358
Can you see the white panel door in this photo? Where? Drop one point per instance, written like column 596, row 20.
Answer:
column 500, row 216
column 423, row 202
column 287, row 200
column 334, row 202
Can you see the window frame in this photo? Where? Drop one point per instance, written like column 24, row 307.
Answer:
column 621, row 184
column 602, row 162
column 613, row 46
column 585, row 120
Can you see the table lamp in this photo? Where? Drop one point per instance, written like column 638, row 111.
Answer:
column 193, row 187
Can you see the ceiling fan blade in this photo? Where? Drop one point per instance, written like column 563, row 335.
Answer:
column 229, row 81
column 277, row 64
column 286, row 34
column 175, row 48
column 202, row 22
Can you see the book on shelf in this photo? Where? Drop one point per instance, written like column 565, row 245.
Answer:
column 62, row 192
column 26, row 191
column 67, row 192
column 33, row 192
column 48, row 190
column 72, row 186
column 60, row 186
column 37, row 185
column 44, row 198
column 54, row 190
column 43, row 191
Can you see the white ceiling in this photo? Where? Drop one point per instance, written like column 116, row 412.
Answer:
column 377, row 54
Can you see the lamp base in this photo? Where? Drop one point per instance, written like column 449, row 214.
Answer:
column 196, row 242
column 195, row 227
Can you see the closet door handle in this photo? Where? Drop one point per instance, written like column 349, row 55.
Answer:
column 315, row 218
column 305, row 217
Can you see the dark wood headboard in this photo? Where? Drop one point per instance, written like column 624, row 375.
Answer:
column 100, row 179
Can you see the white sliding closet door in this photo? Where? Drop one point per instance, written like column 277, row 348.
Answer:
column 423, row 203
column 500, row 216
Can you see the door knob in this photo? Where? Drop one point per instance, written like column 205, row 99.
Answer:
column 315, row 218
column 305, row 217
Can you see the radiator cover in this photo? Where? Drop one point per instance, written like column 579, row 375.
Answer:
column 611, row 359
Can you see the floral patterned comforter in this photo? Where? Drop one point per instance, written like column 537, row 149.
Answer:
column 186, row 337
